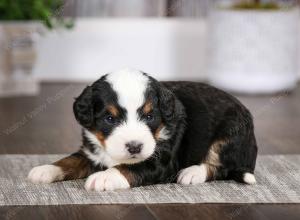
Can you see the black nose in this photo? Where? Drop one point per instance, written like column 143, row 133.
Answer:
column 134, row 147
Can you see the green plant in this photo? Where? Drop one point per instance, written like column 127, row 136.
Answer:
column 47, row 11
column 256, row 4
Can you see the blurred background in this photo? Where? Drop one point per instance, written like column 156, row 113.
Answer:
column 244, row 46
column 50, row 50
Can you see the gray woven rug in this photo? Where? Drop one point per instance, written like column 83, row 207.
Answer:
column 278, row 178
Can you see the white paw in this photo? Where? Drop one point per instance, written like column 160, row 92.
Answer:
column 192, row 175
column 249, row 178
column 45, row 174
column 110, row 179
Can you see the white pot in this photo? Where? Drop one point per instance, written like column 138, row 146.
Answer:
column 17, row 58
column 253, row 51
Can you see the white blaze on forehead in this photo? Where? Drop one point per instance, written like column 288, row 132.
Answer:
column 130, row 86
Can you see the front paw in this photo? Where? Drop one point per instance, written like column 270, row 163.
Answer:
column 45, row 174
column 192, row 175
column 110, row 179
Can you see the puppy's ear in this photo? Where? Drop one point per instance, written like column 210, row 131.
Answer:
column 83, row 108
column 166, row 103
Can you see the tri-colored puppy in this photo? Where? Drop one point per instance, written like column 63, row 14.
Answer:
column 138, row 131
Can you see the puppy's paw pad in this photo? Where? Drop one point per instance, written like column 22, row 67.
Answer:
column 110, row 179
column 192, row 175
column 45, row 174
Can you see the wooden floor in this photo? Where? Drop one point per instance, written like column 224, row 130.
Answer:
column 45, row 124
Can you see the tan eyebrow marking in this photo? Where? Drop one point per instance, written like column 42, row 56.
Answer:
column 147, row 107
column 113, row 110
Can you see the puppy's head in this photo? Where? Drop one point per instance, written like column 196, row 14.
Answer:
column 126, row 113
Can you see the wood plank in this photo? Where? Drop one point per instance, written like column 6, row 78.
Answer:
column 155, row 211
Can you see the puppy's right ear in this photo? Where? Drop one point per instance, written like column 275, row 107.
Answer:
column 83, row 108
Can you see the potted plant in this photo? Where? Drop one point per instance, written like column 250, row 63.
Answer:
column 20, row 21
column 253, row 46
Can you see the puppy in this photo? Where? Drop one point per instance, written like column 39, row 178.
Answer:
column 138, row 131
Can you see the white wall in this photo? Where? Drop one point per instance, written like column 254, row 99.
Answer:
column 166, row 48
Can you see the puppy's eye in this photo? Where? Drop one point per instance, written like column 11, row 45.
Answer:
column 149, row 117
column 110, row 119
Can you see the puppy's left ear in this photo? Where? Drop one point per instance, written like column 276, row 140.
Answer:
column 83, row 108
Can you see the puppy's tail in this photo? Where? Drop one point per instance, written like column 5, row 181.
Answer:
column 243, row 177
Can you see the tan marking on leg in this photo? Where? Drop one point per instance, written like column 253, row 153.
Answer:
column 127, row 174
column 74, row 167
column 212, row 159
column 211, row 172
